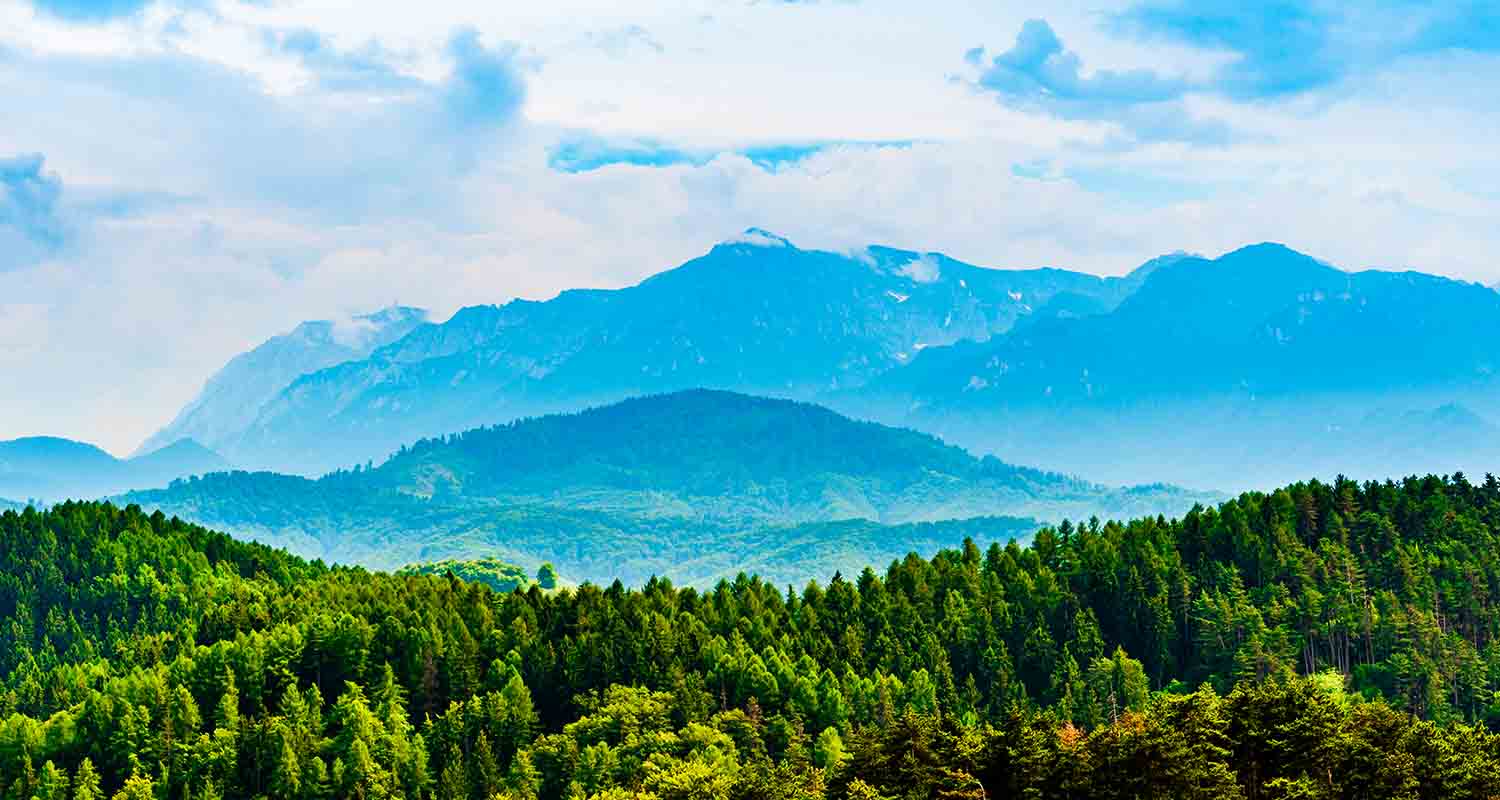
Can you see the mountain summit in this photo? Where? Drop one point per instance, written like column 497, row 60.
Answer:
column 754, row 314
column 1257, row 367
column 1260, row 366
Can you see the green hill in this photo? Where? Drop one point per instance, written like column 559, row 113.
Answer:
column 698, row 484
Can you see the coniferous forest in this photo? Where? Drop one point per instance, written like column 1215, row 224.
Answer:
column 1321, row 641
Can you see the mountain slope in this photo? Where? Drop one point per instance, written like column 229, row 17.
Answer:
column 1226, row 365
column 49, row 468
column 755, row 315
column 1262, row 319
column 698, row 482
column 235, row 394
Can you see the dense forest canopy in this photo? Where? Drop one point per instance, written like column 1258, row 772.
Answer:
column 499, row 575
column 1323, row 640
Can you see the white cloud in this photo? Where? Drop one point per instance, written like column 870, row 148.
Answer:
column 923, row 269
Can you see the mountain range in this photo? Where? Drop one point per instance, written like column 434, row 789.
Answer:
column 700, row 483
column 754, row 315
column 1224, row 372
column 48, row 468
column 1255, row 368
column 232, row 397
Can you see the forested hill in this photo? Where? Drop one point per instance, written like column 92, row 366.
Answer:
column 698, row 443
column 1321, row 641
column 695, row 483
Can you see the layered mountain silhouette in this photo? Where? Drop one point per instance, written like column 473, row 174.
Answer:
column 754, row 315
column 697, row 482
column 1259, row 367
column 1263, row 320
column 48, row 468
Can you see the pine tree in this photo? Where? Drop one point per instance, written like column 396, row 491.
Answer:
column 286, row 775
column 52, row 783
column 137, row 787
column 86, row 782
column 828, row 750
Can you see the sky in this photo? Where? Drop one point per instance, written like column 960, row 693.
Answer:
column 182, row 179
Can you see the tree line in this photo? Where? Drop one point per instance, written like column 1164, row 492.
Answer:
column 1323, row 640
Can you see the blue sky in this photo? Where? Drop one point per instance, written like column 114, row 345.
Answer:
column 180, row 179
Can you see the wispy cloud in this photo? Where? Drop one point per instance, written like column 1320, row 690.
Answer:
column 1273, row 51
column 1039, row 74
column 1472, row 25
column 377, row 145
column 624, row 41
column 367, row 68
column 31, row 225
column 1285, row 47
column 1038, row 71
column 486, row 87
column 585, row 152
column 1281, row 47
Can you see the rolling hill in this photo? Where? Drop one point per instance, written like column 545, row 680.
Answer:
column 49, row 468
column 699, row 482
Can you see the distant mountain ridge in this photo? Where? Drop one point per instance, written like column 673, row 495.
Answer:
column 650, row 483
column 1217, row 369
column 1255, row 368
column 755, row 314
column 48, row 468
column 233, row 396
column 1260, row 320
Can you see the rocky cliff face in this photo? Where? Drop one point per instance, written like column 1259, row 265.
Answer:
column 232, row 398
